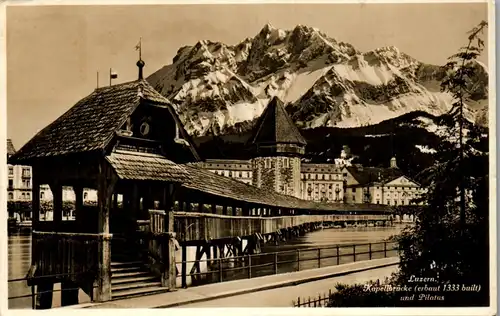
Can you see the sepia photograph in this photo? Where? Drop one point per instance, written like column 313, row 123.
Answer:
column 249, row 155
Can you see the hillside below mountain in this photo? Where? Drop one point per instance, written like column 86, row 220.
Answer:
column 220, row 89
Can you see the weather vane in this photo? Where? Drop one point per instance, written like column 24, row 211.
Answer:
column 139, row 47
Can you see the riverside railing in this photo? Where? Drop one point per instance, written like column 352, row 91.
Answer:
column 257, row 265
column 33, row 294
column 321, row 300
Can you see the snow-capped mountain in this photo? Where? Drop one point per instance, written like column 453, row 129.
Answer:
column 217, row 87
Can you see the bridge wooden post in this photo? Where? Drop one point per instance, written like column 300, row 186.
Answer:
column 44, row 295
column 69, row 293
column 135, row 199
column 106, row 183
column 56, row 189
column 35, row 204
column 213, row 208
column 147, row 203
column 78, row 203
column 224, row 210
column 184, row 266
column 245, row 210
column 169, row 275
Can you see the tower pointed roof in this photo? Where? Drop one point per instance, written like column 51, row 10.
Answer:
column 10, row 148
column 276, row 127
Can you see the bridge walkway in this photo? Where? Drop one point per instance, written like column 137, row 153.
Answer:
column 232, row 288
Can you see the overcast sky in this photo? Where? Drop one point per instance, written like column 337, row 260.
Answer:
column 54, row 52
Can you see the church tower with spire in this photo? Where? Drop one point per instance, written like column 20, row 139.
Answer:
column 278, row 147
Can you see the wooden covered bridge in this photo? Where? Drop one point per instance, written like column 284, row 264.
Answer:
column 126, row 142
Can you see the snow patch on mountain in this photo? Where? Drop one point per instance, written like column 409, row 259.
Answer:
column 426, row 150
column 324, row 82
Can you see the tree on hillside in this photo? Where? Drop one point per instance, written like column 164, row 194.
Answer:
column 460, row 77
column 450, row 239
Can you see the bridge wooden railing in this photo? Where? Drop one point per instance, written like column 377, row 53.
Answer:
column 269, row 263
column 73, row 256
column 205, row 226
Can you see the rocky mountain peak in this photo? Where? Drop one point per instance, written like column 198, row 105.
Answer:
column 325, row 82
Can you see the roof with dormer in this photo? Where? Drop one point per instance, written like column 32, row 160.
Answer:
column 91, row 123
column 368, row 175
column 275, row 126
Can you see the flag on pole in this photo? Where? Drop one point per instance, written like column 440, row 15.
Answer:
column 113, row 74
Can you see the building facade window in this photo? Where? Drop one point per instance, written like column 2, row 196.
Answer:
column 42, row 195
column 26, row 172
column 11, row 196
column 11, row 184
column 11, row 170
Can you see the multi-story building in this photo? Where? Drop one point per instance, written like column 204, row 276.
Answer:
column 318, row 182
column 380, row 185
column 321, row 182
column 237, row 169
column 19, row 179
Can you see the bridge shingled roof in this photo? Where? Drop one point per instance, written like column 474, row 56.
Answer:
column 211, row 183
column 91, row 123
column 146, row 166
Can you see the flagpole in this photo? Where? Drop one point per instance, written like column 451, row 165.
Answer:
column 110, row 77
column 98, row 79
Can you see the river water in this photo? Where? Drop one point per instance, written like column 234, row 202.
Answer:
column 19, row 252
